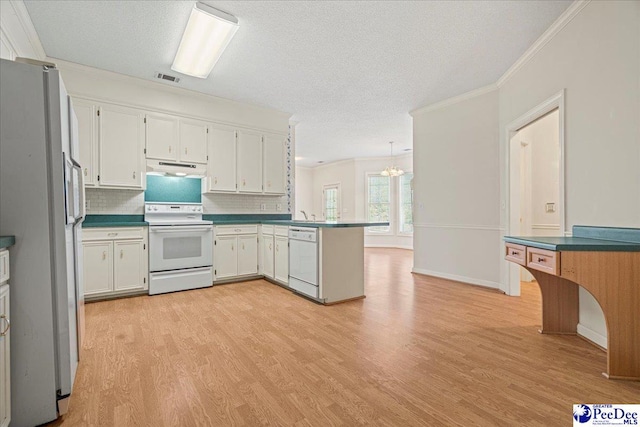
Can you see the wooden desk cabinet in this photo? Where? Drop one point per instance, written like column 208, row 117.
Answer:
column 612, row 277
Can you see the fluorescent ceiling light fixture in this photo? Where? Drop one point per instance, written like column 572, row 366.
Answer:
column 207, row 35
column 181, row 174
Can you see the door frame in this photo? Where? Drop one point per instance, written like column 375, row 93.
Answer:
column 511, row 278
column 337, row 186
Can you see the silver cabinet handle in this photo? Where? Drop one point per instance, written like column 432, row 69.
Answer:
column 104, row 255
column 86, row 172
column 134, row 174
column 7, row 325
column 269, row 246
column 243, row 246
column 215, row 179
column 121, row 253
column 112, row 234
column 231, row 247
column 169, row 148
column 185, row 150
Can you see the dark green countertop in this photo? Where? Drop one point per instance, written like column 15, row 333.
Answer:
column 94, row 221
column 6, row 241
column 584, row 239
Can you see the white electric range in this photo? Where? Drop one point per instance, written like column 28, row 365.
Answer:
column 180, row 247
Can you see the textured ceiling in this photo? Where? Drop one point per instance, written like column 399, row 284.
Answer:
column 349, row 72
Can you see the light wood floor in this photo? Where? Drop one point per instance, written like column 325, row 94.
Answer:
column 416, row 351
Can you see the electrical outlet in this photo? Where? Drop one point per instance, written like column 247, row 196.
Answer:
column 279, row 207
column 263, row 206
column 87, row 205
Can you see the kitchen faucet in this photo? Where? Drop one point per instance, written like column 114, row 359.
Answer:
column 305, row 215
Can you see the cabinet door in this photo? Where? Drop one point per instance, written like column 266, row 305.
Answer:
column 247, row 254
column 128, row 268
column 282, row 259
column 193, row 141
column 4, row 266
column 249, row 162
column 162, row 137
column 86, row 112
column 274, row 165
column 121, row 138
column 222, row 160
column 267, row 255
column 97, row 267
column 225, row 257
column 5, row 357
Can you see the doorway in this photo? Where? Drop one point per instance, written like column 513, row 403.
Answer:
column 331, row 202
column 535, row 176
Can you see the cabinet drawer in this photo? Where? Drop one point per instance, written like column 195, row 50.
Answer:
column 125, row 233
column 267, row 230
column 222, row 230
column 515, row 253
column 546, row 261
column 282, row 230
column 4, row 265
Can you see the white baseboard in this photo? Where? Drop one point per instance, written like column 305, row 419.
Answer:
column 377, row 245
column 592, row 335
column 463, row 279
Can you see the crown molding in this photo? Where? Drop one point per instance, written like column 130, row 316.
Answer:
column 454, row 100
column 19, row 30
column 557, row 26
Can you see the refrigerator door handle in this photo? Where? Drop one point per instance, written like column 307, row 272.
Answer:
column 82, row 211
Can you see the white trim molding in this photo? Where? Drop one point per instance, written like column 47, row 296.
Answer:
column 454, row 100
column 388, row 246
column 566, row 17
column 459, row 226
column 592, row 335
column 19, row 30
column 456, row 278
column 545, row 226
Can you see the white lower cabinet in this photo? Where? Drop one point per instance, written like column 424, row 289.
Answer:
column 275, row 253
column 282, row 259
column 235, row 251
column 5, row 353
column 115, row 261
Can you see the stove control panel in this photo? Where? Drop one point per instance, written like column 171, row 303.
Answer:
column 172, row 208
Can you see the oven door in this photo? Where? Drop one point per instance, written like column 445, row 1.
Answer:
column 180, row 246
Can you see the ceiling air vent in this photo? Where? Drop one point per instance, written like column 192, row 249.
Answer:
column 168, row 78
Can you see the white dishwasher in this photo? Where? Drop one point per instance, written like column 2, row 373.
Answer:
column 303, row 260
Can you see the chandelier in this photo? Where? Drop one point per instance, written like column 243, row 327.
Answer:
column 392, row 170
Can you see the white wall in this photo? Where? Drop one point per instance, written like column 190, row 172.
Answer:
column 456, row 190
column 596, row 59
column 303, row 192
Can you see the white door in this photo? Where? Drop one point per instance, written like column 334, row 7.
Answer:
column 331, row 202
column 222, row 160
column 267, row 255
column 225, row 257
column 249, row 162
column 193, row 141
column 121, row 137
column 128, row 268
column 97, row 267
column 247, row 254
column 282, row 259
column 86, row 113
column 274, row 180
column 162, row 140
column 5, row 358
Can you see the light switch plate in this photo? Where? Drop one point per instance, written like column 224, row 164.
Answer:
column 263, row 206
column 279, row 207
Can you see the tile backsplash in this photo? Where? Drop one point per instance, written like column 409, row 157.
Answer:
column 102, row 201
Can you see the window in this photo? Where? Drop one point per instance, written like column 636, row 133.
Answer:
column 379, row 201
column 331, row 202
column 405, row 199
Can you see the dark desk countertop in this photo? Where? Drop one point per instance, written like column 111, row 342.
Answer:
column 586, row 238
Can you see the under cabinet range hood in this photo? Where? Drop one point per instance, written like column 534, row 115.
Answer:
column 163, row 167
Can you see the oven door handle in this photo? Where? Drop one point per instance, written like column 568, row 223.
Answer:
column 180, row 229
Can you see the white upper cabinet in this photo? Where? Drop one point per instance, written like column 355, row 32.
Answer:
column 274, row 180
column 249, row 146
column 121, row 138
column 193, row 141
column 221, row 167
column 86, row 112
column 162, row 137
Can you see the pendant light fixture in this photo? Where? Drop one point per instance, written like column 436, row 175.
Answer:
column 206, row 36
column 393, row 170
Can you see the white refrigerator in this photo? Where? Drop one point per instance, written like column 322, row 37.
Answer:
column 42, row 204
